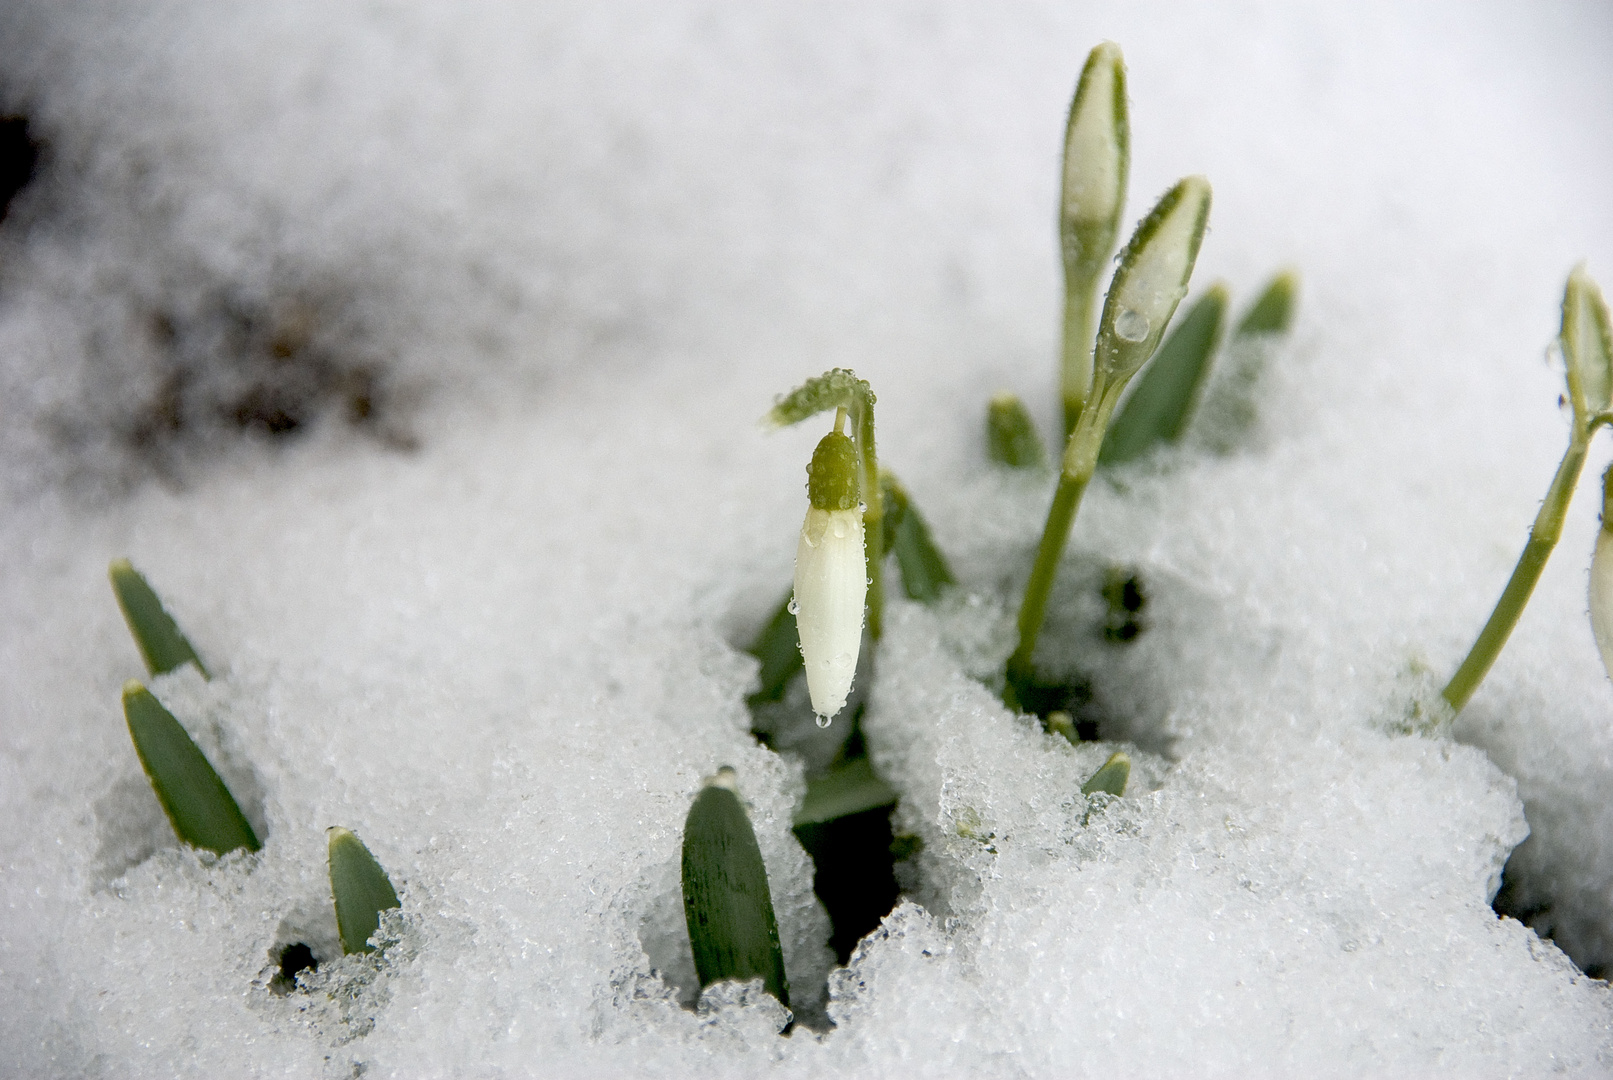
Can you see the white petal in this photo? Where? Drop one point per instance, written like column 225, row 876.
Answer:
column 831, row 583
column 1602, row 596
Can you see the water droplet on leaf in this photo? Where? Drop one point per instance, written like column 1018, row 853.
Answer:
column 1131, row 325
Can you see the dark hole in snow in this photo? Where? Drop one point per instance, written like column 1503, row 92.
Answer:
column 293, row 960
column 1528, row 902
column 855, row 876
column 19, row 158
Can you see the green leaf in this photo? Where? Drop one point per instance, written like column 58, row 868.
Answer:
column 778, row 647
column 848, row 789
column 1011, row 437
column 925, row 573
column 202, row 811
column 1273, row 312
column 1162, row 402
column 732, row 930
column 154, row 630
column 1111, row 778
column 360, row 888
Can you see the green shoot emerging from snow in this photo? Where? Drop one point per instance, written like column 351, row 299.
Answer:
column 360, row 889
column 1587, row 348
column 155, row 633
column 200, row 807
column 1152, row 278
column 726, row 901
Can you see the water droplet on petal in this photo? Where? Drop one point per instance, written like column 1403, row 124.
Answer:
column 1131, row 325
column 795, row 609
column 825, row 721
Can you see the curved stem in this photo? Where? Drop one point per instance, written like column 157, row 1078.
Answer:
column 1543, row 536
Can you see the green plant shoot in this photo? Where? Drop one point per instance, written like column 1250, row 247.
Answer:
column 1011, row 437
column 729, row 908
column 1587, row 347
column 1097, row 159
column 155, row 633
column 200, row 807
column 360, row 889
column 1273, row 311
column 1111, row 777
column 850, row 788
column 1159, row 407
column 778, row 647
column 1153, row 275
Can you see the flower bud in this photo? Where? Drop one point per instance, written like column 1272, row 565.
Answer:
column 1097, row 156
column 1587, row 345
column 1152, row 279
column 831, row 575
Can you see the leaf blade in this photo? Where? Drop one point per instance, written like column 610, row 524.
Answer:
column 852, row 788
column 199, row 806
column 162, row 645
column 1161, row 404
column 359, row 888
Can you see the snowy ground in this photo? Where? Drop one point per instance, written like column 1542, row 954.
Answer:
column 517, row 285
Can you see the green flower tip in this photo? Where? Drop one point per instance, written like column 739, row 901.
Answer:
column 1097, row 144
column 833, row 475
column 1587, row 345
column 1154, row 271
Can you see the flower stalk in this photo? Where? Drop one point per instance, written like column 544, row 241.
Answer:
column 1587, row 347
column 1152, row 279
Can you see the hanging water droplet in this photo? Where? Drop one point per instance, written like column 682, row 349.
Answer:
column 795, row 609
column 1131, row 325
column 825, row 721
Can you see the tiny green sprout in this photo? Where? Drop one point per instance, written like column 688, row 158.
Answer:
column 1273, row 311
column 1111, row 777
column 1011, row 437
column 851, row 788
column 203, row 812
column 1152, row 278
column 925, row 573
column 1586, row 342
column 155, row 633
column 1159, row 407
column 360, row 889
column 726, row 901
column 1097, row 159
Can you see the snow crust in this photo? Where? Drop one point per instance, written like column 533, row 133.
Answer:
column 531, row 275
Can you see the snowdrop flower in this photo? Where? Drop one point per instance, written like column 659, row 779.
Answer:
column 831, row 576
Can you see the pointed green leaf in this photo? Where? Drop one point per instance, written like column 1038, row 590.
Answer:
column 155, row 633
column 925, row 572
column 778, row 647
column 360, row 889
column 732, row 930
column 1587, row 344
column 1111, row 778
column 849, row 789
column 1011, row 437
column 1273, row 311
column 201, row 808
column 1162, row 402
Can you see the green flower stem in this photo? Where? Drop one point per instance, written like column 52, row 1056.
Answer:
column 1080, row 328
column 1080, row 461
column 1543, row 536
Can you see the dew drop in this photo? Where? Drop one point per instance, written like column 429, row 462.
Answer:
column 1131, row 325
column 795, row 609
column 825, row 721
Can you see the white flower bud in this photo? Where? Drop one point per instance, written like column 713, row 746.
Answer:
column 831, row 575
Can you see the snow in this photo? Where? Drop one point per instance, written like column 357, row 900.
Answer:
column 566, row 257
